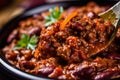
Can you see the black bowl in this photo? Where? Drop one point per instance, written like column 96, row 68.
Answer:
column 9, row 69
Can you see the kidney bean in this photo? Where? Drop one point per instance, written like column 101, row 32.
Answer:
column 115, row 56
column 106, row 75
column 78, row 26
column 46, row 46
column 34, row 31
column 45, row 71
column 27, row 65
column 57, row 72
column 11, row 56
column 12, row 36
column 84, row 72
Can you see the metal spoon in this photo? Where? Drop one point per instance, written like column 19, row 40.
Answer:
column 113, row 14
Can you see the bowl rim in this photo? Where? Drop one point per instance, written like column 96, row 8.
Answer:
column 12, row 69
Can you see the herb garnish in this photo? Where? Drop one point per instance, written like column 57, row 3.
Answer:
column 54, row 16
column 27, row 42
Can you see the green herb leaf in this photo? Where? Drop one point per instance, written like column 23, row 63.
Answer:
column 54, row 16
column 27, row 42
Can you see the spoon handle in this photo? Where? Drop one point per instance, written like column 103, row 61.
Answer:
column 112, row 14
column 116, row 9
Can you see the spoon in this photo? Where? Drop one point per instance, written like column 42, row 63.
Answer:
column 113, row 14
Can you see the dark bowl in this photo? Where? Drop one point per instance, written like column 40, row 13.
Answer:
column 9, row 69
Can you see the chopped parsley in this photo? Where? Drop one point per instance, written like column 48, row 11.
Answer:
column 54, row 16
column 27, row 42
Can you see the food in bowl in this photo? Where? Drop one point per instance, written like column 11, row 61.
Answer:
column 58, row 43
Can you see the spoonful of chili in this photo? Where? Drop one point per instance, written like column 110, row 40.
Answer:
column 113, row 14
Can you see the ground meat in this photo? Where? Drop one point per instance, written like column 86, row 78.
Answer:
column 66, row 54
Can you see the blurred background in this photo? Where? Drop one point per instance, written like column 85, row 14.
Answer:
column 11, row 8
